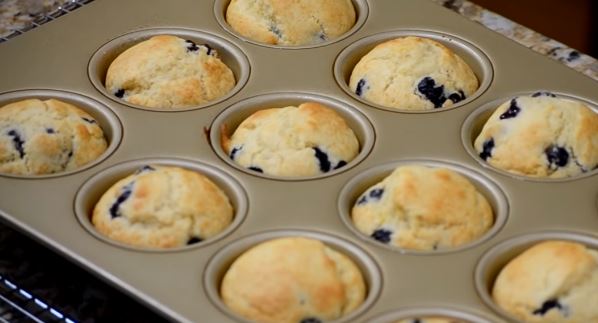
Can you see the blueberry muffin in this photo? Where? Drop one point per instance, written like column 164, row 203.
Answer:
column 412, row 73
column 432, row 320
column 45, row 137
column 168, row 72
column 308, row 140
column 291, row 22
column 541, row 135
column 423, row 208
column 295, row 280
column 553, row 281
column 162, row 207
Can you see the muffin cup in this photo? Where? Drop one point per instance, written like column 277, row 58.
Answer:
column 107, row 120
column 473, row 56
column 495, row 259
column 237, row 113
column 223, row 259
column 430, row 311
column 361, row 15
column 475, row 122
column 360, row 183
column 93, row 189
column 230, row 55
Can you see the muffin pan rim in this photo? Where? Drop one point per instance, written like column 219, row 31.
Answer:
column 221, row 260
column 134, row 37
column 498, row 200
column 86, row 103
column 468, row 135
column 239, row 201
column 477, row 54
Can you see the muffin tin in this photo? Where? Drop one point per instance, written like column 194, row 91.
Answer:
column 67, row 59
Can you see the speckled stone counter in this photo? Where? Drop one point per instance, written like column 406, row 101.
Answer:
column 84, row 298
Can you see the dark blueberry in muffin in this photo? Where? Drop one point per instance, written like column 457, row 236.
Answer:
column 435, row 94
column 487, row 149
column 340, row 164
column 88, row 120
column 274, row 29
column 573, row 55
column 362, row 200
column 457, row 96
column 557, row 156
column 382, row 235
column 311, row 320
column 146, row 168
column 120, row 93
column 361, row 87
column 512, row 112
column 416, row 321
column 234, row 152
column 256, row 169
column 50, row 131
column 191, row 46
column 125, row 193
column 17, row 142
column 209, row 50
column 376, row 193
column 322, row 159
column 547, row 306
column 193, row 240
column 543, row 93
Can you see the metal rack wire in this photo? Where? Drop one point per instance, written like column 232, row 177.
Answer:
column 18, row 305
column 44, row 18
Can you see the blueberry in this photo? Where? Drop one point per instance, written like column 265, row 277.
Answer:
column 146, row 168
column 274, row 29
column 573, row 55
column 557, row 156
column 361, row 87
column 340, row 164
column 512, row 112
column 120, row 93
column 323, row 159
column 311, row 320
column 382, row 235
column 70, row 154
column 457, row 96
column 191, row 46
column 234, row 152
column 18, row 142
column 543, row 93
column 92, row 121
column 416, row 321
column 256, row 169
column 322, row 36
column 547, row 306
column 487, row 149
column 50, row 131
column 376, row 193
column 435, row 94
column 362, row 200
column 209, row 50
column 193, row 240
column 124, row 195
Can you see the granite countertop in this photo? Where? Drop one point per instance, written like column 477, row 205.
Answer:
column 84, row 298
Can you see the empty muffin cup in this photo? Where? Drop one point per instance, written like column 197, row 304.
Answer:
column 334, row 247
column 525, row 136
column 88, row 132
column 160, row 204
column 427, row 89
column 215, row 53
column 367, row 195
column 494, row 261
column 328, row 25
column 302, row 110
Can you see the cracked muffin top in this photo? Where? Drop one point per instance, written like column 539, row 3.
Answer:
column 168, row 72
column 307, row 140
column 162, row 207
column 45, row 137
column 541, row 135
column 412, row 73
column 291, row 22
column 553, row 281
column 294, row 280
column 423, row 208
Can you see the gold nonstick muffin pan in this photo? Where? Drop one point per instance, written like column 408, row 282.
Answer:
column 68, row 59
